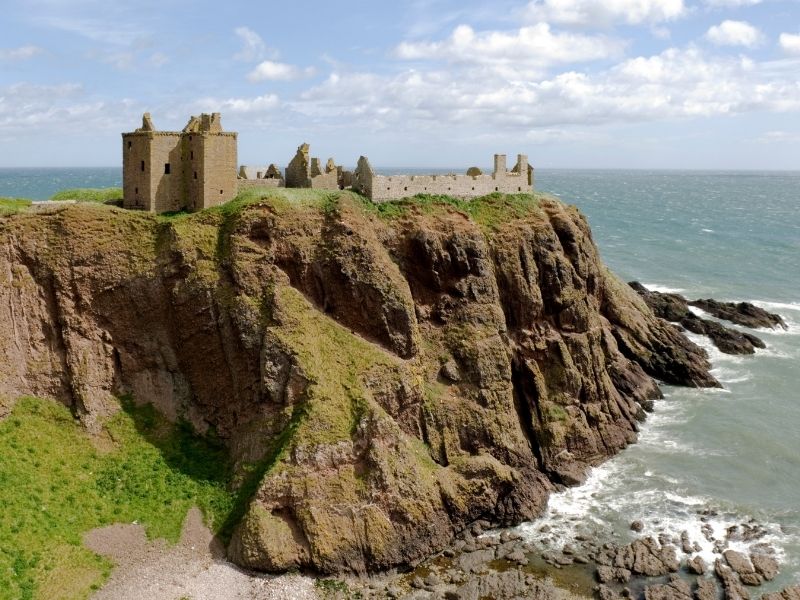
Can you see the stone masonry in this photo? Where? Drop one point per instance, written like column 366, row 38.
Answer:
column 197, row 168
column 381, row 188
column 192, row 169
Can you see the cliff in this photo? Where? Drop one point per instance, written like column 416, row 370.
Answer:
column 381, row 376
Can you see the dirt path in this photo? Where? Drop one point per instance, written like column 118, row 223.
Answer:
column 194, row 568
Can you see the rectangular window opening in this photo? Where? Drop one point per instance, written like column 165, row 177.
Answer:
column 142, row 165
column 129, row 144
column 220, row 191
column 166, row 168
column 195, row 174
column 191, row 154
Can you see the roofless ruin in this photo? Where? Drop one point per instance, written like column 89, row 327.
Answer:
column 197, row 168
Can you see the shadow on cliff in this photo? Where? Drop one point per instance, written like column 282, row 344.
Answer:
column 205, row 458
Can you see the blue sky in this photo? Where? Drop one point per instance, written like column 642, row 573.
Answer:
column 440, row 83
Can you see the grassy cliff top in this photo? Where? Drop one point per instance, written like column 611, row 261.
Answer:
column 487, row 211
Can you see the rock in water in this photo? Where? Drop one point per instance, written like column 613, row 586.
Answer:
column 675, row 308
column 310, row 338
column 741, row 313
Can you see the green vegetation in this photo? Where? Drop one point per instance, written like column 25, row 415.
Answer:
column 89, row 194
column 11, row 206
column 335, row 589
column 57, row 482
column 488, row 211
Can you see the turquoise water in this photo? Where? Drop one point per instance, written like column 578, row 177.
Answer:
column 736, row 451
column 730, row 236
column 41, row 183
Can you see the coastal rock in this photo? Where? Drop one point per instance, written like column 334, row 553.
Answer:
column 789, row 593
column 765, row 565
column 646, row 557
column 731, row 586
column 743, row 568
column 706, row 590
column 310, row 339
column 741, row 313
column 675, row 308
column 676, row 589
column 729, row 341
column 696, row 565
column 513, row 585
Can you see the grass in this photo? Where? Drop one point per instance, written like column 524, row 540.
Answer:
column 488, row 211
column 89, row 194
column 11, row 206
column 55, row 485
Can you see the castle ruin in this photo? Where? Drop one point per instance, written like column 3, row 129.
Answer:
column 193, row 169
column 197, row 168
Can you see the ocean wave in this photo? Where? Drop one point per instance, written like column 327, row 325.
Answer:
column 656, row 287
column 766, row 305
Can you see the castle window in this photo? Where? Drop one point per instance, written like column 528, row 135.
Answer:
column 405, row 189
column 143, row 166
column 191, row 155
column 166, row 168
column 130, row 143
column 519, row 189
column 496, row 189
column 195, row 174
column 220, row 191
column 135, row 190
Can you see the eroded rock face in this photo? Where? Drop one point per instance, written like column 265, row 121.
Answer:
column 386, row 382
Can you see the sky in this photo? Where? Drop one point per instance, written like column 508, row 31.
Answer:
column 675, row 84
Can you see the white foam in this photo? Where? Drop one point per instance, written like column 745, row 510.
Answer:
column 655, row 287
column 707, row 230
column 766, row 305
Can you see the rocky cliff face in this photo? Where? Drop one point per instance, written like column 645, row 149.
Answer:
column 381, row 379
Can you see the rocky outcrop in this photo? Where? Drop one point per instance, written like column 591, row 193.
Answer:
column 741, row 313
column 381, row 382
column 675, row 308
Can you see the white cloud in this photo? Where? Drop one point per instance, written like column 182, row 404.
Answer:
column 21, row 53
column 779, row 137
column 604, row 12
column 259, row 104
column 533, row 47
column 158, row 59
column 732, row 3
column 734, row 33
column 253, row 47
column 269, row 70
column 677, row 83
column 790, row 42
column 26, row 108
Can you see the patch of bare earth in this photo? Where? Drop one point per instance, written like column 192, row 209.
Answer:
column 194, row 568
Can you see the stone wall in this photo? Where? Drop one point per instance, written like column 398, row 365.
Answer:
column 249, row 184
column 381, row 188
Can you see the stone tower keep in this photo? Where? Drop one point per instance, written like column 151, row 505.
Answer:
column 179, row 170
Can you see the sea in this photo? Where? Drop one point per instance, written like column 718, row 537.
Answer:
column 723, row 456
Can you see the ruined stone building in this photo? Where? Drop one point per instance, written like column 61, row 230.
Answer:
column 197, row 168
column 381, row 188
column 250, row 177
column 192, row 169
column 305, row 172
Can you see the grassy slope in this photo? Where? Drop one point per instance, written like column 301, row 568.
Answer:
column 57, row 483
column 89, row 194
column 10, row 206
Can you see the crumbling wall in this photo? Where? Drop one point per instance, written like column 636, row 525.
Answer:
column 381, row 188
